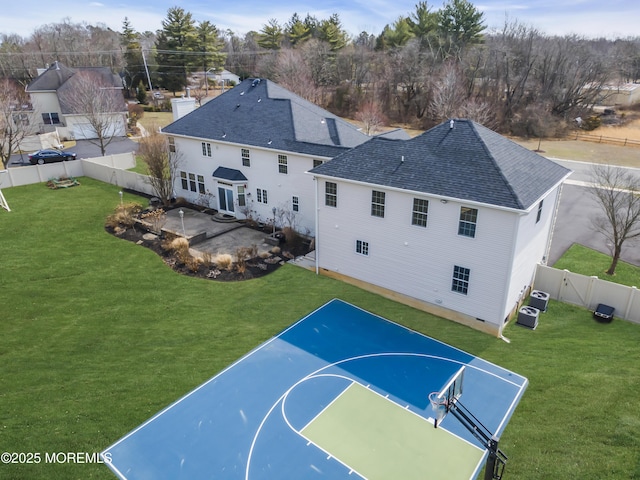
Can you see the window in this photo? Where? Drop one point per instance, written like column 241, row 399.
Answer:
column 282, row 164
column 420, row 210
column 206, row 149
column 241, row 196
column 460, row 282
column 377, row 204
column 246, row 159
column 21, row 119
column 362, row 247
column 317, row 163
column 295, row 203
column 192, row 182
column 467, row 225
column 331, row 194
column 172, row 144
column 539, row 211
column 261, row 195
column 50, row 118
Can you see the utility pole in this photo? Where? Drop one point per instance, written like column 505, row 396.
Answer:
column 146, row 69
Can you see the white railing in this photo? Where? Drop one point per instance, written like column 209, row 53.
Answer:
column 569, row 287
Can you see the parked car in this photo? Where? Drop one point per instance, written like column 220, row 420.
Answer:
column 50, row 156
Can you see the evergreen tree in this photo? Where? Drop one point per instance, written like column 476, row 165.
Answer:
column 399, row 35
column 210, row 46
column 134, row 65
column 176, row 44
column 423, row 24
column 331, row 31
column 141, row 93
column 270, row 37
column 461, row 22
column 297, row 31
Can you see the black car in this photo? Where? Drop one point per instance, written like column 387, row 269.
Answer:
column 50, row 156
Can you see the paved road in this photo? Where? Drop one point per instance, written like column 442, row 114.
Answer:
column 86, row 149
column 575, row 214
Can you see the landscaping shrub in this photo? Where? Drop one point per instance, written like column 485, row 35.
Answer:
column 223, row 261
column 124, row 215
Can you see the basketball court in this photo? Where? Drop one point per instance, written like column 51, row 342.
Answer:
column 341, row 394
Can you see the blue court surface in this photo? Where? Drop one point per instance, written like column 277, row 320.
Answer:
column 341, row 394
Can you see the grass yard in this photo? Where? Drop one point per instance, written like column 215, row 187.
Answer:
column 98, row 335
column 583, row 260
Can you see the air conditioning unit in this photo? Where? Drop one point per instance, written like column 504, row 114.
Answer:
column 528, row 317
column 539, row 300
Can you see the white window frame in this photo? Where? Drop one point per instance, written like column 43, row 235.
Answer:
column 362, row 248
column 283, row 164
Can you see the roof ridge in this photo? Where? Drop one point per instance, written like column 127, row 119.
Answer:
column 515, row 196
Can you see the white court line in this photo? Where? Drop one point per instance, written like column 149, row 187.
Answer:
column 384, row 354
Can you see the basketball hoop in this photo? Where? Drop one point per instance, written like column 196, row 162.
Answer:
column 439, row 406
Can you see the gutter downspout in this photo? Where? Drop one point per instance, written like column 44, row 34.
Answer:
column 315, row 179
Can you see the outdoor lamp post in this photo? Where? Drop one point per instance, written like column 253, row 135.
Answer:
column 120, row 193
column 273, row 210
column 182, row 220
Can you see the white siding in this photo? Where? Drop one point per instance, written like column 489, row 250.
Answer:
column 263, row 173
column 45, row 102
column 418, row 261
column 530, row 248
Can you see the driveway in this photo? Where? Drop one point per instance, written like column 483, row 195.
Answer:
column 85, row 149
column 575, row 213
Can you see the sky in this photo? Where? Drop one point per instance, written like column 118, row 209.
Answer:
column 589, row 18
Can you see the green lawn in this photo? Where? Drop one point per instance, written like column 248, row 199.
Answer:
column 98, row 335
column 583, row 260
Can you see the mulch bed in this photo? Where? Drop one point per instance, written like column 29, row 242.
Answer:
column 255, row 267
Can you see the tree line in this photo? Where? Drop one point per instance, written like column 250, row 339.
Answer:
column 424, row 67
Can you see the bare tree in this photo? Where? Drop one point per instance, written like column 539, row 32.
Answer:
column 162, row 161
column 101, row 105
column 371, row 116
column 617, row 191
column 15, row 121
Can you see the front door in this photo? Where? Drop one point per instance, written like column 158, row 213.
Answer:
column 225, row 199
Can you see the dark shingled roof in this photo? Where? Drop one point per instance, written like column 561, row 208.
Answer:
column 229, row 174
column 258, row 112
column 461, row 160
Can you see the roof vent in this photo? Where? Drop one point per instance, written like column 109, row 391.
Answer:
column 255, row 82
column 450, row 124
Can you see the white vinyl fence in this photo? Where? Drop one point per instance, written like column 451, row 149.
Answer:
column 109, row 169
column 568, row 287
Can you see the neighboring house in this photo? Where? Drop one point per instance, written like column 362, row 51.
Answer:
column 246, row 152
column 53, row 85
column 224, row 78
column 624, row 94
column 452, row 221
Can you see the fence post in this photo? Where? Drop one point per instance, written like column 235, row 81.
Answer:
column 632, row 292
column 587, row 299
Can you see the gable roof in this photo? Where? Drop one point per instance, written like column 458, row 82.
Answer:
column 458, row 159
column 58, row 75
column 260, row 113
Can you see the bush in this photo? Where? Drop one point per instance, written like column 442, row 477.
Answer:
column 223, row 261
column 591, row 123
column 124, row 215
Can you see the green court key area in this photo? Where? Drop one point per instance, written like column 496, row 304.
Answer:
column 379, row 439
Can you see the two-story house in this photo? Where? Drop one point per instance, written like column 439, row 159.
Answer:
column 246, row 152
column 51, row 94
column 452, row 221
